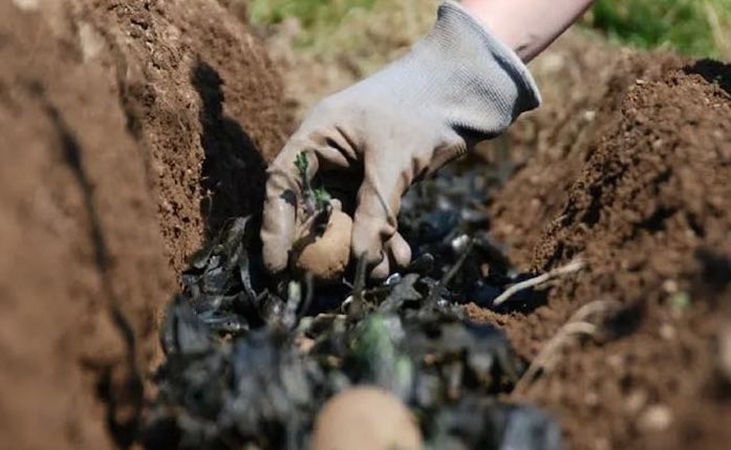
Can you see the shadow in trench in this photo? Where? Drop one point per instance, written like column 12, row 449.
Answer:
column 713, row 72
column 233, row 174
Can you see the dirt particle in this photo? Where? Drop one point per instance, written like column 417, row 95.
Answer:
column 91, row 42
column 27, row 5
column 668, row 332
column 724, row 352
column 635, row 402
column 656, row 418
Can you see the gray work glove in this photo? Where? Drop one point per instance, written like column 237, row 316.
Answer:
column 456, row 87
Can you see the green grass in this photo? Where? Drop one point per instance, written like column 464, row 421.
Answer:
column 318, row 18
column 361, row 34
column 692, row 27
column 310, row 12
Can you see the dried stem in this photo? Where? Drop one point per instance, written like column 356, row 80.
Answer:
column 572, row 267
column 356, row 305
column 434, row 294
column 578, row 325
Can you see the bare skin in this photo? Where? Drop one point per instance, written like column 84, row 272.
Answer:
column 527, row 26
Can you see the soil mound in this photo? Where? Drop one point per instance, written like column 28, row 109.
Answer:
column 648, row 207
column 126, row 129
column 583, row 92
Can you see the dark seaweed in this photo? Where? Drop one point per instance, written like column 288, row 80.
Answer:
column 250, row 361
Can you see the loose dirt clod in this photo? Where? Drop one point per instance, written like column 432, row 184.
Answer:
column 365, row 418
column 724, row 352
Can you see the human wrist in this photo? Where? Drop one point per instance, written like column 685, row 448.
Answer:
column 492, row 15
column 526, row 26
column 489, row 68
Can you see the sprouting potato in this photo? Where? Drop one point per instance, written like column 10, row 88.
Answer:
column 322, row 244
column 365, row 418
column 324, row 250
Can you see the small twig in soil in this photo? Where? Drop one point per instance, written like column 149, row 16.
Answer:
column 434, row 294
column 294, row 300
column 309, row 294
column 356, row 303
column 571, row 267
column 577, row 325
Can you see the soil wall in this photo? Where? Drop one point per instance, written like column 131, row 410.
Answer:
column 127, row 129
column 644, row 200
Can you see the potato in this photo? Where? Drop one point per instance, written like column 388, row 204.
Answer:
column 326, row 255
column 365, row 418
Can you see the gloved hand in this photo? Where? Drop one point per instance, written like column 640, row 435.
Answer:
column 456, row 87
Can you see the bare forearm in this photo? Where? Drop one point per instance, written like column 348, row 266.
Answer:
column 527, row 26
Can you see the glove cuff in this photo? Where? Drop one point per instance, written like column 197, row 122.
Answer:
column 483, row 84
column 451, row 12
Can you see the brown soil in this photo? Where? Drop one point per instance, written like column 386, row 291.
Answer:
column 130, row 129
column 644, row 199
column 127, row 128
column 583, row 83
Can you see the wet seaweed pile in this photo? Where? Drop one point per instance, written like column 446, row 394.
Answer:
column 249, row 365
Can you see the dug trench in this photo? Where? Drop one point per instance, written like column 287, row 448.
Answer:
column 132, row 131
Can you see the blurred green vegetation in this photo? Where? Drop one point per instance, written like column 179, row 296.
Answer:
column 692, row 27
column 362, row 35
column 318, row 18
column 312, row 13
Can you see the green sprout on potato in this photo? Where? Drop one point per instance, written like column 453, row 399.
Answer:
column 316, row 201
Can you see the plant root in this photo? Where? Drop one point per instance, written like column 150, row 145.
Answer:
column 580, row 324
column 569, row 268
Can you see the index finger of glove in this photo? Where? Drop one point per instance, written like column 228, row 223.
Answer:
column 379, row 200
column 283, row 191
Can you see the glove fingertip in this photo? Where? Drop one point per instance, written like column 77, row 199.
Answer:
column 275, row 256
column 382, row 270
column 276, row 234
column 399, row 250
column 366, row 242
